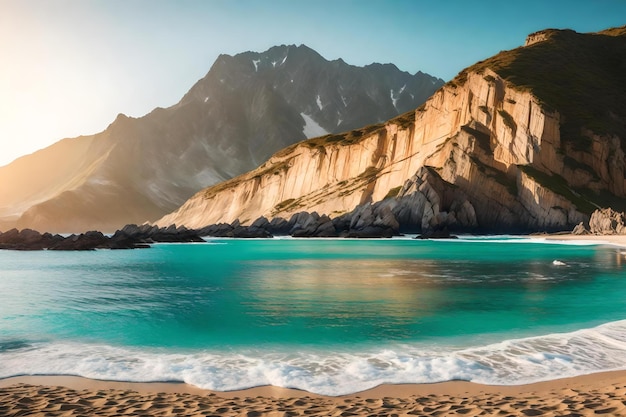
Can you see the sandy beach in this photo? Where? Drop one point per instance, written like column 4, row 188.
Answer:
column 596, row 394
column 617, row 240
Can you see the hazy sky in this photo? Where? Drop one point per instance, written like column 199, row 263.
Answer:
column 68, row 67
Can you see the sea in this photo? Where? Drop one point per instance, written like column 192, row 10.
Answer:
column 329, row 316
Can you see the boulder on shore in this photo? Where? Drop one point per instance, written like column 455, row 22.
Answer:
column 129, row 237
column 607, row 221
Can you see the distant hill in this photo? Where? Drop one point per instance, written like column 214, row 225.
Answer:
column 532, row 139
column 247, row 107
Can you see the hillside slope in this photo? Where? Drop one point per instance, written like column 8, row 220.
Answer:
column 247, row 107
column 530, row 139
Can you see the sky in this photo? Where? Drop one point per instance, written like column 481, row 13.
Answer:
column 68, row 67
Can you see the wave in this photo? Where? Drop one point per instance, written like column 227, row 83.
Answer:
column 336, row 372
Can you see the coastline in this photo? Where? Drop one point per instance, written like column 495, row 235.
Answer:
column 599, row 393
column 592, row 394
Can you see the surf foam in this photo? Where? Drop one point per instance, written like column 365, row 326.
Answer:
column 510, row 362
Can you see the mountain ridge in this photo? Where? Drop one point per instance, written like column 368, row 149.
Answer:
column 484, row 153
column 229, row 122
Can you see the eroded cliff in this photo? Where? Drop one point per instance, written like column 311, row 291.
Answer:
column 509, row 145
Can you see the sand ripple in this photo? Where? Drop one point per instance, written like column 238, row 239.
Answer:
column 32, row 400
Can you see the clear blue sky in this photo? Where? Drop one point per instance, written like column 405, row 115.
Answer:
column 69, row 66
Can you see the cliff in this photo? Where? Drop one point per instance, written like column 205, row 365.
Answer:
column 247, row 107
column 531, row 139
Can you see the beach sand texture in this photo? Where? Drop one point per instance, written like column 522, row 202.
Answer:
column 591, row 395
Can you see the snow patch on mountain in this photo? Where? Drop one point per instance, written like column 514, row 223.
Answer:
column 395, row 97
column 312, row 129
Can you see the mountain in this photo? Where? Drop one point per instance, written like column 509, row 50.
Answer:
column 247, row 107
column 531, row 139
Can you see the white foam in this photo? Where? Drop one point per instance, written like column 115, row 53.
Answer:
column 335, row 372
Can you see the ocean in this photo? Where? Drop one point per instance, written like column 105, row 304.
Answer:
column 330, row 316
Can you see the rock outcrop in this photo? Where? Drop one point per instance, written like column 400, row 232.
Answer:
column 130, row 237
column 580, row 229
column 247, row 107
column 510, row 145
column 607, row 222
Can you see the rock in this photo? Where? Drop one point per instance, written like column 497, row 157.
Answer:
column 260, row 228
column 85, row 241
column 370, row 232
column 129, row 237
column 174, row 234
column 303, row 224
column 10, row 236
column 120, row 241
column 279, row 226
column 342, row 223
column 27, row 239
column 315, row 226
column 325, row 228
column 385, row 217
column 443, row 233
column 217, row 230
column 148, row 234
column 250, row 232
column 371, row 221
column 607, row 221
column 580, row 229
column 261, row 223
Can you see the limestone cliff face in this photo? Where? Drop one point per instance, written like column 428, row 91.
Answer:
column 497, row 148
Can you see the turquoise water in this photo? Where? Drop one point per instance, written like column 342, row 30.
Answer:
column 328, row 316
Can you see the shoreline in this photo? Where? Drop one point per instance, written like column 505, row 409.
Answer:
column 614, row 240
column 599, row 393
column 453, row 388
column 592, row 394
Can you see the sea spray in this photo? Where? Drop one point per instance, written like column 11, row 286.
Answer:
column 331, row 372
